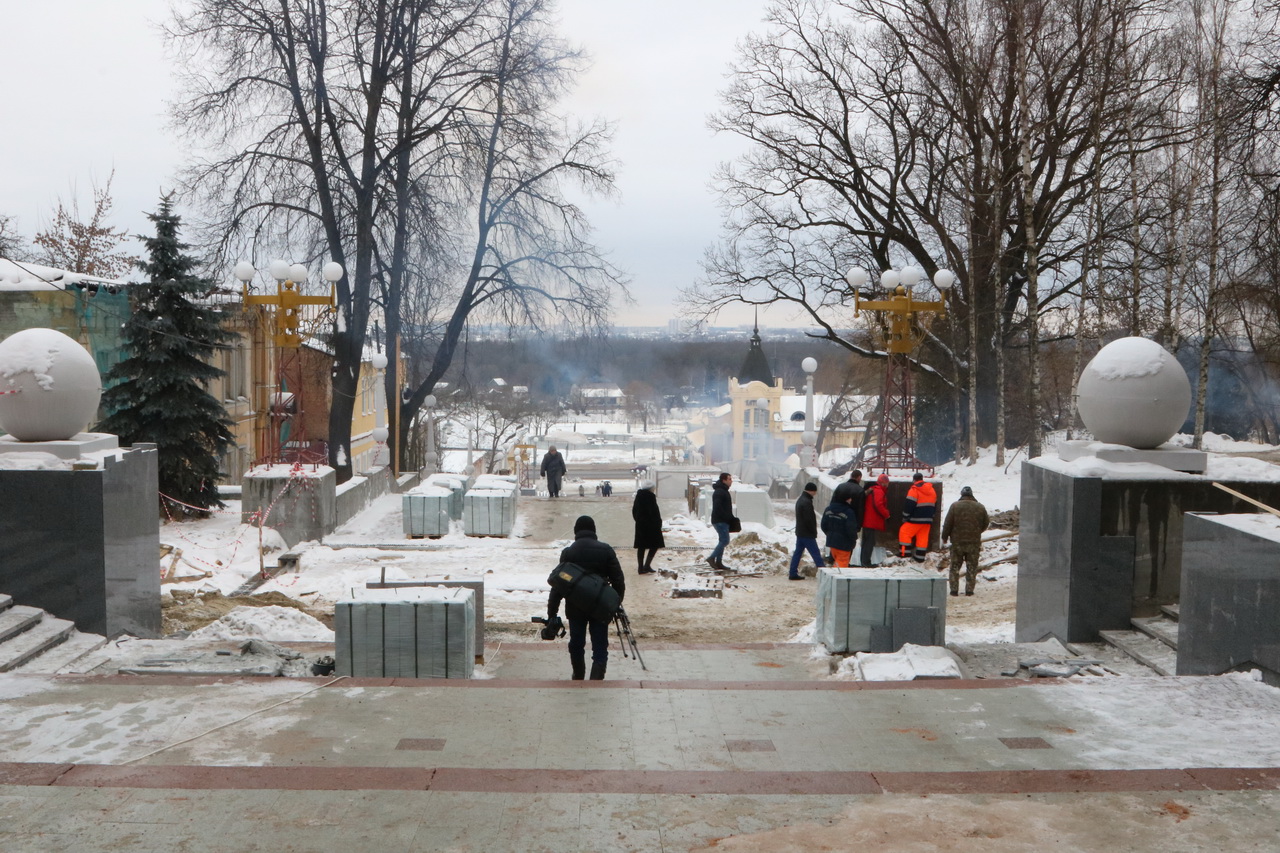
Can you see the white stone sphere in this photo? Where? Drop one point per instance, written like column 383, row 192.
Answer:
column 57, row 383
column 1134, row 393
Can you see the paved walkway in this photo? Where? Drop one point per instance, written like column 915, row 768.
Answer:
column 758, row 762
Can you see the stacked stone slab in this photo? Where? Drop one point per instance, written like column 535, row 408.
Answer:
column 457, row 486
column 420, row 633
column 879, row 610
column 425, row 511
column 1230, row 595
column 489, row 506
column 750, row 504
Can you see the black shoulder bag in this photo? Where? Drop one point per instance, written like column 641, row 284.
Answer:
column 585, row 591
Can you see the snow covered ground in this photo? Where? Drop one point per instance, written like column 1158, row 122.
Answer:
column 221, row 553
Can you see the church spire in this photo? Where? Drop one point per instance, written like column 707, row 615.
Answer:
column 755, row 367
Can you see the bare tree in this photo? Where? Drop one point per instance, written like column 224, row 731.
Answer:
column 356, row 129
column 12, row 245
column 82, row 244
column 886, row 133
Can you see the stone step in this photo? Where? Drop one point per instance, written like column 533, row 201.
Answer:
column 1144, row 649
column 1113, row 659
column 1159, row 628
column 18, row 618
column 6, row 601
column 1170, row 610
column 67, row 655
column 34, row 641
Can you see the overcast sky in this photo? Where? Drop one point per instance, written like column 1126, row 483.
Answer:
column 85, row 84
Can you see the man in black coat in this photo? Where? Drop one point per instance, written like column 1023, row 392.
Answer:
column 806, row 532
column 648, row 519
column 721, row 518
column 553, row 468
column 595, row 557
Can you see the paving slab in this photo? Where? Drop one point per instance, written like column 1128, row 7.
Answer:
column 661, row 764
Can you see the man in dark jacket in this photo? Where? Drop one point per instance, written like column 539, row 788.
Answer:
column 553, row 468
column 851, row 492
column 963, row 526
column 840, row 524
column 594, row 557
column 806, row 532
column 721, row 518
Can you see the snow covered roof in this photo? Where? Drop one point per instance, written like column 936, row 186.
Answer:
column 20, row 275
column 598, row 390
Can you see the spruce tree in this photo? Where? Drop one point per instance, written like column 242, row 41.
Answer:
column 161, row 392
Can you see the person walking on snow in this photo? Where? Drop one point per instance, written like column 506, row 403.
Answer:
column 840, row 523
column 917, row 518
column 648, row 519
column 594, row 557
column 966, row 519
column 553, row 468
column 806, row 532
column 874, row 515
column 721, row 518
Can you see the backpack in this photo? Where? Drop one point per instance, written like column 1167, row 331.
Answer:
column 586, row 592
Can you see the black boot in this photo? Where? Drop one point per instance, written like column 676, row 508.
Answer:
column 597, row 671
column 579, row 664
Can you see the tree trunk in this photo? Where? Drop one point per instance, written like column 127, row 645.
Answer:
column 1035, row 439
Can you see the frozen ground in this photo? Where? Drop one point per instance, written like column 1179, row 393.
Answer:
column 220, row 554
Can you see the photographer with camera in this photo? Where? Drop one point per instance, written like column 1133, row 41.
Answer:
column 589, row 580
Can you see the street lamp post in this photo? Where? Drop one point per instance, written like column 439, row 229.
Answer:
column 380, row 431
column 810, row 435
column 281, row 424
column 897, row 436
column 431, row 458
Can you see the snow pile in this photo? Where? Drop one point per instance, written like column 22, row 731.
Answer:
column 907, row 664
column 269, row 623
column 996, row 486
column 1218, row 443
column 1262, row 525
column 1129, row 358
column 33, row 462
column 32, row 352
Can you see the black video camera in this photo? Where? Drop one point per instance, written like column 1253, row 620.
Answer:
column 551, row 628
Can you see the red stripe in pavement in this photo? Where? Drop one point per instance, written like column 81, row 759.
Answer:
column 521, row 780
column 161, row 680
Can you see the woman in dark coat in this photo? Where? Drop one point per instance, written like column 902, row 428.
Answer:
column 648, row 526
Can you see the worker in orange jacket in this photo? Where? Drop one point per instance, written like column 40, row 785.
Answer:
column 917, row 517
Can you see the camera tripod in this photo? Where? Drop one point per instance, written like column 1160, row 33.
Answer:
column 626, row 637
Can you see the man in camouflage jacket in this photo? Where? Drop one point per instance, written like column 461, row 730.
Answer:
column 964, row 525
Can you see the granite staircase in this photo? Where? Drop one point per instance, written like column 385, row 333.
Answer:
column 32, row 640
column 1153, row 642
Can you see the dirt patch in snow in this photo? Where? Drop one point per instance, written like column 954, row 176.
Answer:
column 185, row 610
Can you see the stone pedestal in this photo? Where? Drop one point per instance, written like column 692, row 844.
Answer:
column 80, row 537
column 300, row 505
column 1230, row 596
column 1166, row 456
column 1101, row 543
